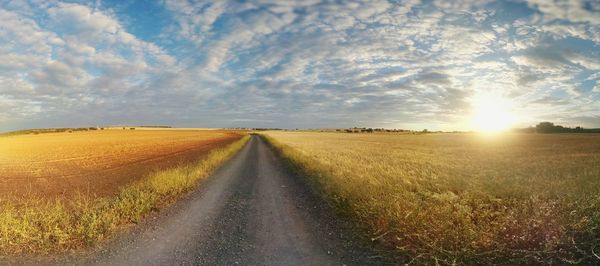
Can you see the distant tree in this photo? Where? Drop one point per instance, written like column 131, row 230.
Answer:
column 545, row 127
column 548, row 127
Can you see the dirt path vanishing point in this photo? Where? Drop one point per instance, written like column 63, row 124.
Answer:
column 250, row 212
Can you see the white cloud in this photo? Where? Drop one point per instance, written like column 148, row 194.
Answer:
column 311, row 62
column 346, row 46
column 77, row 54
column 568, row 10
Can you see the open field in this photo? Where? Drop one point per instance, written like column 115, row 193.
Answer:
column 461, row 198
column 96, row 162
column 64, row 191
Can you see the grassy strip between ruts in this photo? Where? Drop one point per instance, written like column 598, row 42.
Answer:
column 470, row 227
column 41, row 226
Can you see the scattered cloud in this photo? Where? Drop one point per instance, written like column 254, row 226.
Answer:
column 406, row 64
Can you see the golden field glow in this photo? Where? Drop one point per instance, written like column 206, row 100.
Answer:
column 458, row 181
column 492, row 113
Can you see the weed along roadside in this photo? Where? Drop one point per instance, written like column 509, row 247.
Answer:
column 43, row 226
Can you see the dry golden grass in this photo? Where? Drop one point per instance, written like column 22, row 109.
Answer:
column 461, row 198
column 97, row 162
column 44, row 225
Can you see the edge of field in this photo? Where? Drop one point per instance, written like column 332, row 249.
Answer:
column 316, row 175
column 40, row 226
column 310, row 170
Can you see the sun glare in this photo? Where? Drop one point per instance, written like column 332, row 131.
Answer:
column 492, row 113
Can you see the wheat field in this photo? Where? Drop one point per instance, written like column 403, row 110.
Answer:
column 96, row 162
column 153, row 170
column 460, row 198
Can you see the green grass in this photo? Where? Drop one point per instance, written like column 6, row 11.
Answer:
column 41, row 226
column 460, row 198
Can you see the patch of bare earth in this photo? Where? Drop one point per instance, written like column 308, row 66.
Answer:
column 96, row 163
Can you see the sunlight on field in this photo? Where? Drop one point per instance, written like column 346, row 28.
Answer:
column 39, row 225
column 95, row 162
column 456, row 198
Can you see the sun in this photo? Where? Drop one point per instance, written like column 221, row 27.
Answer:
column 492, row 113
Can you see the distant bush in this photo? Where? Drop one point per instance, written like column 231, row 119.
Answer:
column 155, row 126
column 36, row 131
column 549, row 127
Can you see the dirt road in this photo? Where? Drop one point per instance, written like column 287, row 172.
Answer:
column 250, row 212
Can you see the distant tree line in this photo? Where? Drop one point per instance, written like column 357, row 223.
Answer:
column 549, row 127
column 368, row 130
column 36, row 131
column 264, row 129
column 155, row 126
column 374, row 130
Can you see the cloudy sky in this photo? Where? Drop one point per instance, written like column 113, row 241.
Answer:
column 313, row 63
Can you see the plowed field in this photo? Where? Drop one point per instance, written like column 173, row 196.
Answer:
column 97, row 163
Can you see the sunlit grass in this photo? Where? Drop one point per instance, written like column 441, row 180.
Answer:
column 43, row 226
column 461, row 198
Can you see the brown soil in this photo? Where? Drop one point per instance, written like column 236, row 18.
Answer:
column 95, row 163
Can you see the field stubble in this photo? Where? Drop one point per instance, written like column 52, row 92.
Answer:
column 461, row 198
column 37, row 224
column 55, row 165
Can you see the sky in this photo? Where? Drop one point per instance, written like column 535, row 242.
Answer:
column 408, row 64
